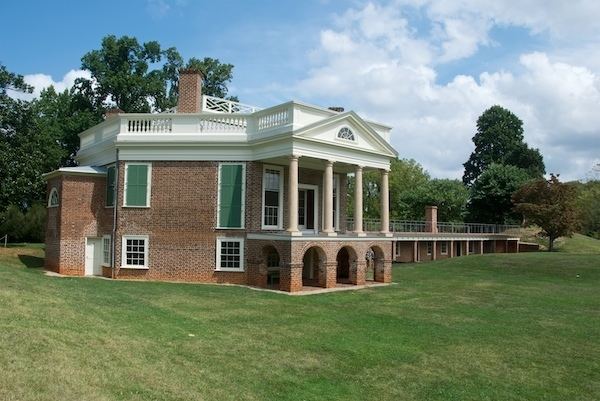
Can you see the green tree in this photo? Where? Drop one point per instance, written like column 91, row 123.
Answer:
column 140, row 78
column 588, row 206
column 490, row 196
column 450, row 196
column 499, row 139
column 549, row 204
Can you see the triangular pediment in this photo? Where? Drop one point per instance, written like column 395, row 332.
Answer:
column 347, row 130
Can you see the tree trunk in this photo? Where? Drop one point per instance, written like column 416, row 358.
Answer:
column 551, row 243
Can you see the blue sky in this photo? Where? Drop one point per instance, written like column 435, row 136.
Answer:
column 426, row 67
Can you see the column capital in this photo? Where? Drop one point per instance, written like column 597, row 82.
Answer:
column 329, row 162
column 294, row 157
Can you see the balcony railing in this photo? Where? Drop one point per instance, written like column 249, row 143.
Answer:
column 413, row 226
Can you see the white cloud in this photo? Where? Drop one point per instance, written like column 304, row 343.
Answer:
column 42, row 81
column 373, row 61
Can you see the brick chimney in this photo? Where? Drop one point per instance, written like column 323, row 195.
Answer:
column 431, row 219
column 190, row 91
column 112, row 112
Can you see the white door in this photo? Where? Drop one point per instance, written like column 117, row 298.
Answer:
column 93, row 256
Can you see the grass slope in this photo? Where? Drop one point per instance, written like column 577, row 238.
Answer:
column 484, row 327
column 578, row 244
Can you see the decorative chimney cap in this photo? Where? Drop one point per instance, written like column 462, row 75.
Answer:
column 337, row 108
column 191, row 70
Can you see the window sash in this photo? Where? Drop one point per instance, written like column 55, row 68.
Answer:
column 106, row 250
column 230, row 254
column 134, row 254
column 272, row 197
column 231, row 195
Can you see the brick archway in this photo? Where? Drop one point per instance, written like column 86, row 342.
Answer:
column 314, row 269
column 346, row 263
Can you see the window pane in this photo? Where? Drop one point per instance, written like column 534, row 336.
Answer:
column 137, row 185
column 230, row 214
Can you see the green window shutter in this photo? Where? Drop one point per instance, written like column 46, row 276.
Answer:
column 110, row 186
column 230, row 212
column 137, row 185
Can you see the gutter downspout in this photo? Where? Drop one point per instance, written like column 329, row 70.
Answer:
column 114, row 230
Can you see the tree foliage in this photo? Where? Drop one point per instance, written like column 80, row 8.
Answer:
column 499, row 139
column 143, row 77
column 490, row 196
column 411, row 189
column 549, row 204
column 588, row 206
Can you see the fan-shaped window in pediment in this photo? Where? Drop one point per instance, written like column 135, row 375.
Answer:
column 346, row 133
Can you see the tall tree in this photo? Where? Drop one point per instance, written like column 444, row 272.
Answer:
column 499, row 139
column 550, row 204
column 450, row 196
column 588, row 205
column 490, row 197
column 143, row 77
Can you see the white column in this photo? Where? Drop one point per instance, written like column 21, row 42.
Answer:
column 385, row 202
column 293, row 196
column 481, row 247
column 328, row 199
column 358, row 200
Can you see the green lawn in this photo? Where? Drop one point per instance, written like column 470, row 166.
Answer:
column 484, row 327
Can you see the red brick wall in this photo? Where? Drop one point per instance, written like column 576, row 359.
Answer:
column 81, row 213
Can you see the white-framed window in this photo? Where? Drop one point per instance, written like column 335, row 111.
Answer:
column 429, row 248
column 272, row 197
column 53, row 198
column 230, row 254
column 106, row 250
column 134, row 254
column 138, row 183
column 346, row 133
column 231, row 195
column 444, row 247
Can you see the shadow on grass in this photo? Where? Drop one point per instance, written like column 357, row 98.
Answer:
column 32, row 262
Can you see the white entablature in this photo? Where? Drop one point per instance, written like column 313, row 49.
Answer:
column 289, row 128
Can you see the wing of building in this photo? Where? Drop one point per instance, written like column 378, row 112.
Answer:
column 219, row 191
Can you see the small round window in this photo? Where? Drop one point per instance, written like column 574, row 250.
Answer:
column 346, row 133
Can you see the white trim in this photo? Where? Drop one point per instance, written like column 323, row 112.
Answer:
column 316, row 205
column 243, row 211
column 124, row 264
column 109, row 237
column 148, row 186
column 279, row 226
column 218, row 267
column 52, row 192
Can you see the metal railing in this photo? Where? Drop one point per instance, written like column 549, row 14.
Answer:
column 414, row 226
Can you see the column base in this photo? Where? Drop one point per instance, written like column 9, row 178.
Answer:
column 331, row 234
column 294, row 233
column 358, row 233
column 387, row 234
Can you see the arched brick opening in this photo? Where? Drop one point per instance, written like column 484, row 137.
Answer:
column 378, row 263
column 346, row 265
column 370, row 265
column 271, row 262
column 313, row 267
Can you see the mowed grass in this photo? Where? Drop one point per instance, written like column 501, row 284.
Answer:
column 578, row 244
column 482, row 327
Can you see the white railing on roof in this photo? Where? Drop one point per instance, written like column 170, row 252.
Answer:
column 158, row 124
column 218, row 105
column 273, row 118
column 223, row 123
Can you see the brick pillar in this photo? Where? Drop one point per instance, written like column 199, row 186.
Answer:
column 331, row 274
column 387, row 271
column 290, row 277
column 358, row 272
column 190, row 91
